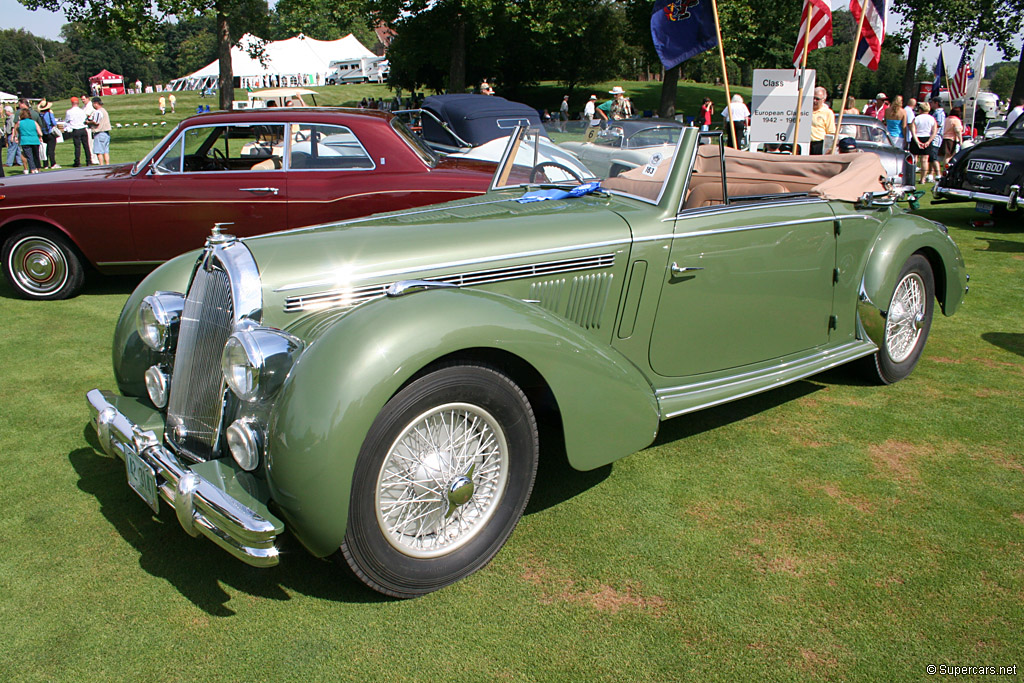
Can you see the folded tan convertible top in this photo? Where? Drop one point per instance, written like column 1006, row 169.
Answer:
column 833, row 176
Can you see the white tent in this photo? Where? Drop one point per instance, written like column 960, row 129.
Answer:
column 6, row 97
column 294, row 62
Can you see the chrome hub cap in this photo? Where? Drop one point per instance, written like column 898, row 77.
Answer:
column 442, row 480
column 38, row 265
column 905, row 318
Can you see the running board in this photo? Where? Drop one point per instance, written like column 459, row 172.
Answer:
column 675, row 401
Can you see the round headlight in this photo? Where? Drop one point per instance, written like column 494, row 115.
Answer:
column 256, row 361
column 245, row 441
column 157, row 386
column 158, row 318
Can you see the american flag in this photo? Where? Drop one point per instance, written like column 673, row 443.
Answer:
column 821, row 28
column 869, row 50
column 964, row 74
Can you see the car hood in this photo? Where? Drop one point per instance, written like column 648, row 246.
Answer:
column 69, row 175
column 467, row 237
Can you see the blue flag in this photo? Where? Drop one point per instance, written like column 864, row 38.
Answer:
column 940, row 73
column 682, row 29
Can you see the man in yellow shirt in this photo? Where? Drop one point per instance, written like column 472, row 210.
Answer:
column 823, row 121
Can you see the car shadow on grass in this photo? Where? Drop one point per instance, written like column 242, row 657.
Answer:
column 709, row 419
column 1003, row 246
column 1009, row 341
column 196, row 567
column 95, row 285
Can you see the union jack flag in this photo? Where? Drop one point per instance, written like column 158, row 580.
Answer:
column 962, row 77
column 821, row 28
column 869, row 50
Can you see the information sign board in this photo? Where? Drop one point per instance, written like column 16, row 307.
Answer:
column 773, row 108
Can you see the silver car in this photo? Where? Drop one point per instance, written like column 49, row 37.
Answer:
column 871, row 136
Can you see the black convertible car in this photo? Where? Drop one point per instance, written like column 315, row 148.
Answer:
column 990, row 173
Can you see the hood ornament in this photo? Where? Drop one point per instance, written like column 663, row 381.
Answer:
column 216, row 237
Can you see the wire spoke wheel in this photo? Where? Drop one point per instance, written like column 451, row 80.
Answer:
column 907, row 321
column 442, row 480
column 906, row 315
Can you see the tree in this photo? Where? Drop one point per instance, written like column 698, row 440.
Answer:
column 1003, row 76
column 139, row 23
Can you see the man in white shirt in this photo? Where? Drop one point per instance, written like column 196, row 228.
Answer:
column 74, row 126
column 590, row 109
column 88, row 109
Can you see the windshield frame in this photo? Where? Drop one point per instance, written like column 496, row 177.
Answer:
column 523, row 135
column 141, row 163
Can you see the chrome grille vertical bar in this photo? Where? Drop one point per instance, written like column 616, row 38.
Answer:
column 197, row 388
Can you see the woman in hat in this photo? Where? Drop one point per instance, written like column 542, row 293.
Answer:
column 49, row 128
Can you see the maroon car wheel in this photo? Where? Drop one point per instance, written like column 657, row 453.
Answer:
column 40, row 263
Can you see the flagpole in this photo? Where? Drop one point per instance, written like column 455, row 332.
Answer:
column 725, row 75
column 803, row 72
column 976, row 87
column 849, row 76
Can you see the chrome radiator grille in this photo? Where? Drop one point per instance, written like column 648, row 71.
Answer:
column 194, row 412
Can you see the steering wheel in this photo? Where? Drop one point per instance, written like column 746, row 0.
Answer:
column 217, row 160
column 301, row 136
column 564, row 172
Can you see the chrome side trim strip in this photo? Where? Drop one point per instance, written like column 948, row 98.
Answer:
column 765, row 379
column 351, row 296
column 397, row 274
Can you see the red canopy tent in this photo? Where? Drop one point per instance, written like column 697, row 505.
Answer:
column 107, row 83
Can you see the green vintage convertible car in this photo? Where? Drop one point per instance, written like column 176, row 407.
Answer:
column 375, row 385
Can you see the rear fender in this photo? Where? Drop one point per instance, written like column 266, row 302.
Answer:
column 347, row 374
column 901, row 237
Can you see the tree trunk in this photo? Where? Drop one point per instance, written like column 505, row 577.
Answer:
column 910, row 74
column 669, row 87
column 457, row 69
column 1018, row 85
column 226, row 79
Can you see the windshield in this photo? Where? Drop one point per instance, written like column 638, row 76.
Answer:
column 532, row 159
column 428, row 155
column 139, row 165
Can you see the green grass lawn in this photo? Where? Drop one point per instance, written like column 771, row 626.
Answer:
column 828, row 530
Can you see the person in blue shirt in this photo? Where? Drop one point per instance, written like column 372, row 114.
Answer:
column 29, row 136
column 49, row 128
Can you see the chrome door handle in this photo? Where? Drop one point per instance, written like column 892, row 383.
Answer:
column 680, row 270
column 272, row 190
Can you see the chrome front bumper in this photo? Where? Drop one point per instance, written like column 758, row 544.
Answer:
column 202, row 506
column 1012, row 200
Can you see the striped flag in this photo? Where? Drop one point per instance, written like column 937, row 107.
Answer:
column 821, row 28
column 964, row 74
column 869, row 50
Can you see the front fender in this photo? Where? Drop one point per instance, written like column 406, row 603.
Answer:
column 902, row 236
column 347, row 374
column 131, row 357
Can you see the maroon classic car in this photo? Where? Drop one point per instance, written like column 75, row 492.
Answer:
column 260, row 171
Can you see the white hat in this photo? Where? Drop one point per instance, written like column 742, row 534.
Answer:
column 593, row 97
column 617, row 90
column 881, row 96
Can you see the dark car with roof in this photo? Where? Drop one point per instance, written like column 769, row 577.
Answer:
column 990, row 173
column 261, row 171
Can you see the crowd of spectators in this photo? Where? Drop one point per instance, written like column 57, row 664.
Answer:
column 31, row 133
